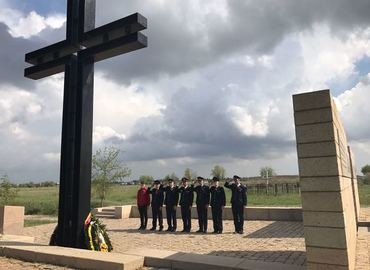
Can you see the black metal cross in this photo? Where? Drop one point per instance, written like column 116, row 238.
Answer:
column 84, row 45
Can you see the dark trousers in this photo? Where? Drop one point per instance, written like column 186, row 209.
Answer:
column 238, row 213
column 157, row 216
column 143, row 211
column 186, row 217
column 202, row 217
column 171, row 216
column 217, row 218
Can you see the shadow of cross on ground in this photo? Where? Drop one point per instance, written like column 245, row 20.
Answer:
column 279, row 229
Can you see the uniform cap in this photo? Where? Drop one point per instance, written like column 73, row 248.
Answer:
column 157, row 182
column 215, row 179
column 200, row 178
column 184, row 179
column 236, row 177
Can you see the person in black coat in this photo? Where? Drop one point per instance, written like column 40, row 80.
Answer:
column 238, row 202
column 218, row 202
column 203, row 198
column 171, row 201
column 157, row 203
column 186, row 203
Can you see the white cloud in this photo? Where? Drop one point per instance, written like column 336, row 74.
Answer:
column 103, row 133
column 120, row 106
column 354, row 107
column 246, row 123
column 28, row 25
column 327, row 57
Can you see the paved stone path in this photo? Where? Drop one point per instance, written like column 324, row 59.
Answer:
column 263, row 240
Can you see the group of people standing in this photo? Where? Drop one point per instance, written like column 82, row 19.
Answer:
column 172, row 195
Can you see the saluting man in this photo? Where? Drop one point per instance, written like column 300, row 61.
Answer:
column 171, row 201
column 238, row 202
column 186, row 202
column 157, row 204
column 218, row 202
column 203, row 198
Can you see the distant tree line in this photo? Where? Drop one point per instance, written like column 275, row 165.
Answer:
column 36, row 185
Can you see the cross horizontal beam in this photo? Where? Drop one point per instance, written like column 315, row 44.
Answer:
column 96, row 37
column 100, row 52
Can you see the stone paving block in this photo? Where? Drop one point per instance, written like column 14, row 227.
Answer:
column 317, row 149
column 320, row 184
column 319, row 166
column 11, row 219
column 323, row 219
column 257, row 265
column 312, row 100
column 315, row 133
column 75, row 258
column 317, row 266
column 314, row 201
column 328, row 256
column 325, row 237
column 156, row 257
column 313, row 116
column 199, row 262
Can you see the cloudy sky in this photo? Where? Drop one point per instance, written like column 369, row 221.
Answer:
column 213, row 87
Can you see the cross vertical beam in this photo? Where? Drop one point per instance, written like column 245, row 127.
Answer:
column 84, row 45
column 77, row 128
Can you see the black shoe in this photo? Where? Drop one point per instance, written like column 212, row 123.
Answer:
column 240, row 232
column 199, row 231
column 141, row 227
column 173, row 230
column 183, row 231
column 161, row 228
column 169, row 229
column 153, row 229
column 215, row 232
column 205, row 231
column 188, row 230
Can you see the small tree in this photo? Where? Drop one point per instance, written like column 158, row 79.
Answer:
column 147, row 179
column 7, row 190
column 189, row 174
column 107, row 170
column 365, row 170
column 219, row 172
column 267, row 172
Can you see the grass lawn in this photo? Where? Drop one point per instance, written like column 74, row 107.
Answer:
column 44, row 201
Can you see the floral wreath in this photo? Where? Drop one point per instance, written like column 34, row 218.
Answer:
column 96, row 236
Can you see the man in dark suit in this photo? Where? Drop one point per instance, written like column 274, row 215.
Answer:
column 203, row 198
column 218, row 202
column 186, row 203
column 157, row 203
column 171, row 201
column 238, row 202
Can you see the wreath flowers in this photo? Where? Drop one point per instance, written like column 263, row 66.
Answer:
column 96, row 235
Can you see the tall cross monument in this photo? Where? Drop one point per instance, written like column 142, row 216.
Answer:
column 84, row 45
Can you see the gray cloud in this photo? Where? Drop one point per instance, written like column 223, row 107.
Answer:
column 177, row 43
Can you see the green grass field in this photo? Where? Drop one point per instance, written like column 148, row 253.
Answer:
column 44, row 201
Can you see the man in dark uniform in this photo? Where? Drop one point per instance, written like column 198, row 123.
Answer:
column 238, row 202
column 218, row 202
column 171, row 201
column 157, row 204
column 186, row 202
column 203, row 197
